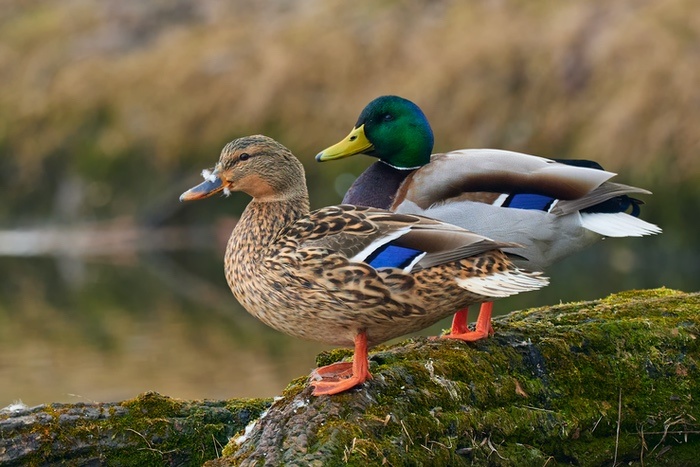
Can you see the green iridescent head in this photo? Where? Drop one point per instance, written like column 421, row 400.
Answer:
column 390, row 128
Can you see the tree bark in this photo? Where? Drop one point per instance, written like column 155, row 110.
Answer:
column 593, row 383
column 148, row 430
column 597, row 383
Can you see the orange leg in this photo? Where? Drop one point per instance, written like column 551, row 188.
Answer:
column 459, row 322
column 340, row 377
column 483, row 325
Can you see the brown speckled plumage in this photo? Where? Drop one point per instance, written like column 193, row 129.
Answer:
column 292, row 269
column 308, row 274
column 289, row 275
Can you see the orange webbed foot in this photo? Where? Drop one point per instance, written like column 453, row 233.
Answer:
column 483, row 329
column 324, row 387
column 334, row 371
column 341, row 376
column 459, row 324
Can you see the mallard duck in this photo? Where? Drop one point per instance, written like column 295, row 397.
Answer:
column 345, row 275
column 553, row 208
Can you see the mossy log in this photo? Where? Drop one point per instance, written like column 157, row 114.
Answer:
column 596, row 383
column 590, row 383
column 148, row 430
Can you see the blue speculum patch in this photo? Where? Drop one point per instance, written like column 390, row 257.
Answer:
column 392, row 256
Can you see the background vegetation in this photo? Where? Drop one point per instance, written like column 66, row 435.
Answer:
column 109, row 110
column 118, row 91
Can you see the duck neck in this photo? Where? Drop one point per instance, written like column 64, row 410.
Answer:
column 259, row 227
column 376, row 187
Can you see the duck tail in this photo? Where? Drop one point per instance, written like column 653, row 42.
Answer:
column 618, row 224
column 505, row 283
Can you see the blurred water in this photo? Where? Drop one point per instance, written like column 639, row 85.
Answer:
column 107, row 328
column 142, row 324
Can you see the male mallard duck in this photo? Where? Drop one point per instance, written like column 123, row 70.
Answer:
column 553, row 208
column 345, row 275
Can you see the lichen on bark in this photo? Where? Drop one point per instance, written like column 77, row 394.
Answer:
column 590, row 383
column 148, row 430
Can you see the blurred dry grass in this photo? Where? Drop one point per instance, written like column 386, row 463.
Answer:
column 91, row 83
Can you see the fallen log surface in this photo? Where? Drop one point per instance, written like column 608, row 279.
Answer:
column 148, row 430
column 609, row 382
column 612, row 381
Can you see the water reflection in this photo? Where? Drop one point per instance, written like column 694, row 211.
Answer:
column 143, row 323
column 160, row 317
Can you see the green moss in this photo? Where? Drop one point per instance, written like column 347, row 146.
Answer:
column 331, row 356
column 555, row 386
column 248, row 410
column 148, row 430
column 545, row 390
column 294, row 387
column 153, row 405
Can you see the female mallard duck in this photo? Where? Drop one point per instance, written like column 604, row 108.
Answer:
column 551, row 208
column 345, row 275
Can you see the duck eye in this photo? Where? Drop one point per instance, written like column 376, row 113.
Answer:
column 244, row 156
column 388, row 117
